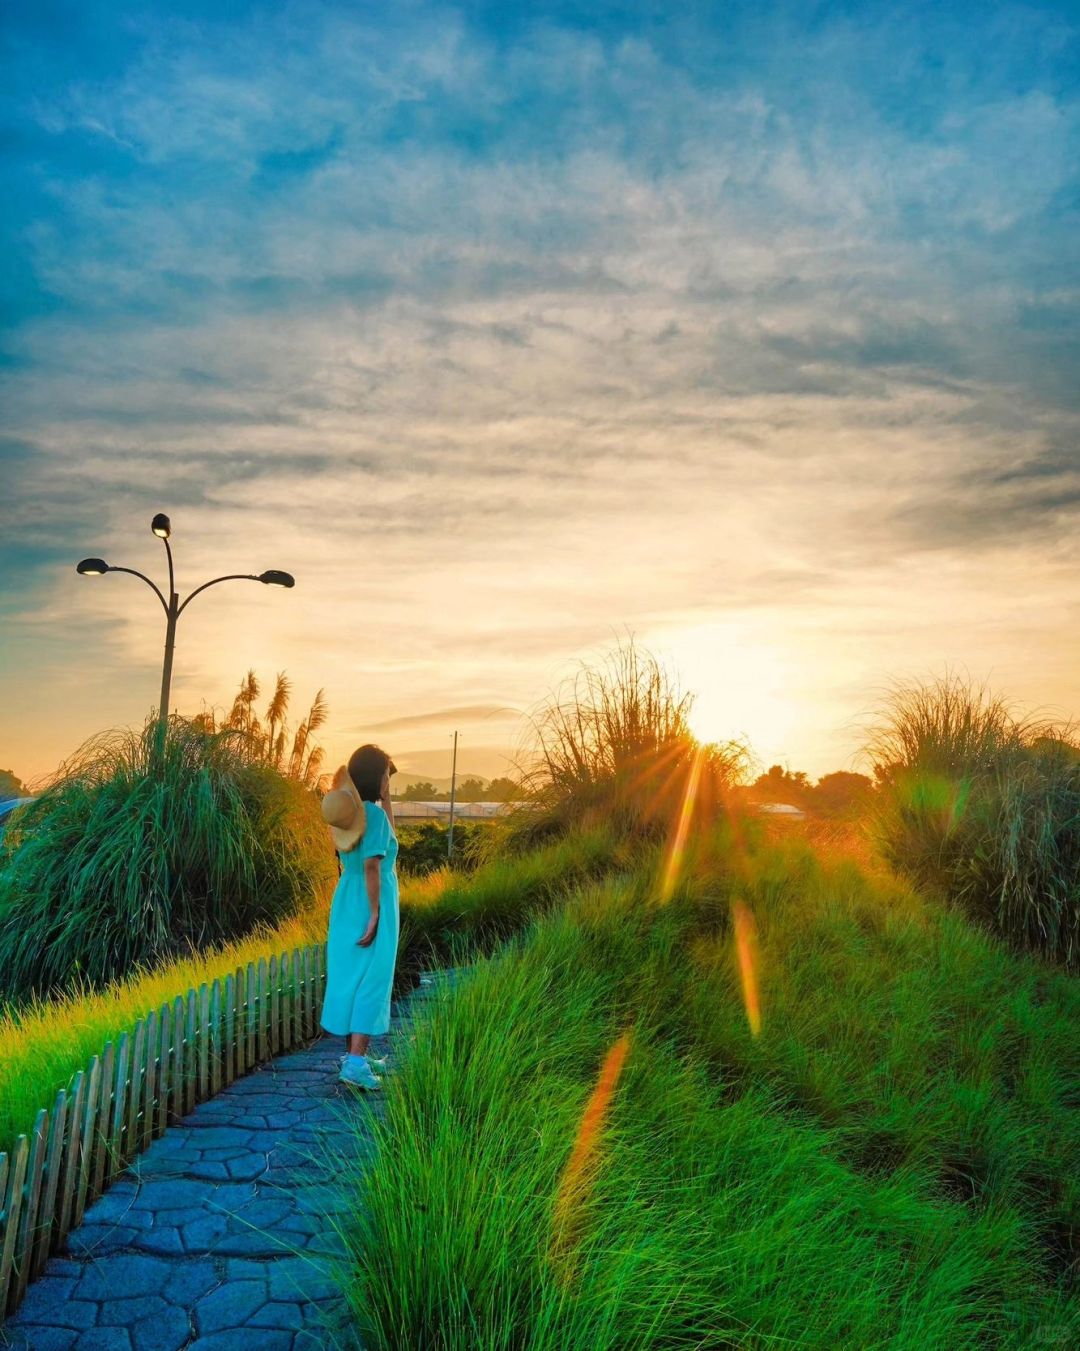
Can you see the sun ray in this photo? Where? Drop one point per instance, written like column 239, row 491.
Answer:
column 677, row 848
column 746, row 948
column 655, row 765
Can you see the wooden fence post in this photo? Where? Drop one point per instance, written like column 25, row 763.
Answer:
column 149, row 1081
column 297, row 999
column 190, row 1052
column 230, row 1028
column 89, row 1135
column 215, row 1038
column 203, row 1038
column 309, row 993
column 69, row 1181
column 54, row 1156
column 12, row 1205
column 164, row 1070
column 129, row 1143
column 285, row 976
column 24, row 1242
column 101, row 1125
column 4, row 1227
column 242, row 1065
column 116, row 1133
column 252, row 1012
column 176, row 1087
column 275, row 1006
column 264, row 1011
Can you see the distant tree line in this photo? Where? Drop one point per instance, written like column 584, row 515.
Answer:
column 834, row 794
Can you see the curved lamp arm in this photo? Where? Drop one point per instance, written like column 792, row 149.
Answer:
column 172, row 579
column 149, row 583
column 231, row 577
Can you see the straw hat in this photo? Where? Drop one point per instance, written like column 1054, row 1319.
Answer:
column 343, row 812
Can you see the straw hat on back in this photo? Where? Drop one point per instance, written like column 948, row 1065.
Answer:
column 343, row 812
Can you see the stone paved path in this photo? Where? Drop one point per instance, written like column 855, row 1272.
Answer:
column 219, row 1237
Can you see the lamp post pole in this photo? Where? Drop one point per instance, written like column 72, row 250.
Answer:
column 172, row 615
column 161, row 527
column 174, row 607
column 453, row 788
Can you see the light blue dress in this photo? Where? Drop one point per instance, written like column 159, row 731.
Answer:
column 358, row 980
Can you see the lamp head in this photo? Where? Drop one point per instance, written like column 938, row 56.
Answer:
column 160, row 526
column 91, row 567
column 276, row 578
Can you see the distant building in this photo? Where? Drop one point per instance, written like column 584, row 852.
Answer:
column 779, row 809
column 440, row 811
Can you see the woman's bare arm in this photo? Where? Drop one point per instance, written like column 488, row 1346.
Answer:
column 371, row 878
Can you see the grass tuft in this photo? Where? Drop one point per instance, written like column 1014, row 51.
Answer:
column 147, row 846
column 984, row 808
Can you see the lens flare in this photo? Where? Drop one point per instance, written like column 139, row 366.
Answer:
column 746, row 948
column 580, row 1167
column 677, row 849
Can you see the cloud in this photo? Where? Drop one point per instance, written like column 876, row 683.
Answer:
column 467, row 713
column 512, row 330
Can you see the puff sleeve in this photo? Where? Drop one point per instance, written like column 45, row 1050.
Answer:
column 375, row 841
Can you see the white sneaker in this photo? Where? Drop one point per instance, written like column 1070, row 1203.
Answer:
column 373, row 1061
column 356, row 1070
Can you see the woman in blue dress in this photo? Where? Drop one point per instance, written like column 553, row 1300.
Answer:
column 361, row 945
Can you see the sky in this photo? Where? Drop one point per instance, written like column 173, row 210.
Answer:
column 749, row 330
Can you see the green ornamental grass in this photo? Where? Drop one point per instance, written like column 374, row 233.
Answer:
column 148, row 846
column 984, row 808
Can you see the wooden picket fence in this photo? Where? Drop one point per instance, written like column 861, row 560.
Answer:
column 177, row 1056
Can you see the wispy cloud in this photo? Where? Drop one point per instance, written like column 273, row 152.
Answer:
column 503, row 332
column 438, row 717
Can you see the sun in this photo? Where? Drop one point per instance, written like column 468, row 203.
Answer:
column 744, row 688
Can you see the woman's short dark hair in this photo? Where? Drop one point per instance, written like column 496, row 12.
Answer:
column 367, row 764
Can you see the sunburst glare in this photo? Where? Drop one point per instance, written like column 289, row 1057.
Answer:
column 677, row 848
column 746, row 948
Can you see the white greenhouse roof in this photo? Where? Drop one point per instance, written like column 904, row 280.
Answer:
column 463, row 811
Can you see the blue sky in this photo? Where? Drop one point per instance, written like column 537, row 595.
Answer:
column 750, row 328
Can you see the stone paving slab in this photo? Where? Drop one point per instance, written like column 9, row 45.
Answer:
column 220, row 1235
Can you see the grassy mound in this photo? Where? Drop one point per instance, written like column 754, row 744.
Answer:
column 892, row 1162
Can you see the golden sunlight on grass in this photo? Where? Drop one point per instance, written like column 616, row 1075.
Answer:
column 580, row 1167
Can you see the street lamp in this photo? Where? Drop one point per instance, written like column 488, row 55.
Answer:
column 173, row 607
